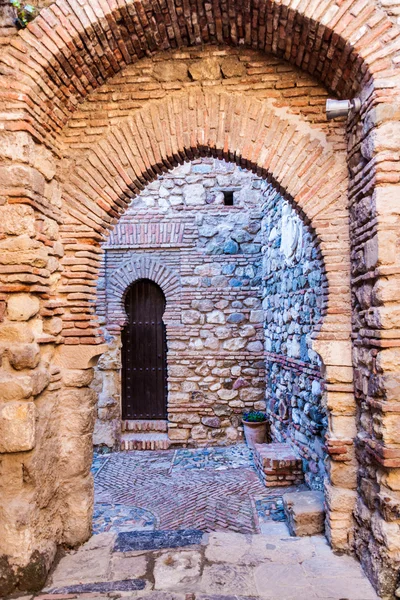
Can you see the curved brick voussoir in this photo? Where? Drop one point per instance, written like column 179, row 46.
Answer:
column 283, row 148
column 70, row 49
column 248, row 131
column 133, row 270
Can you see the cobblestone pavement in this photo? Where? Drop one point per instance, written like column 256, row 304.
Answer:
column 209, row 489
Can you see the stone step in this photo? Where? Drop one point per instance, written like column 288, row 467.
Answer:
column 305, row 512
column 158, row 425
column 278, row 465
column 144, row 441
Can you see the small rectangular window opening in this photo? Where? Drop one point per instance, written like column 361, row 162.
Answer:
column 228, row 198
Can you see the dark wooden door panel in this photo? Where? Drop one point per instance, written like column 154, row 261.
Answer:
column 144, row 355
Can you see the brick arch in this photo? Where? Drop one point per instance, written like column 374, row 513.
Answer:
column 70, row 50
column 48, row 69
column 132, row 270
column 250, row 132
column 257, row 135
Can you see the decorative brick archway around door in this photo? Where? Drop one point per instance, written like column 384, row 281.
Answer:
column 133, row 270
column 46, row 71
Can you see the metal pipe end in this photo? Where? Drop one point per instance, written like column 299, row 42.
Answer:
column 341, row 108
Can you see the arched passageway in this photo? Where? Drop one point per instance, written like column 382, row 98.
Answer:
column 58, row 204
column 251, row 129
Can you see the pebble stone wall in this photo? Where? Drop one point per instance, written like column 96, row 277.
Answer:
column 294, row 302
column 71, row 159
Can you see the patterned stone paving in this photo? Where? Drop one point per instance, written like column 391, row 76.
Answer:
column 119, row 517
column 270, row 509
column 154, row 490
column 99, row 460
column 231, row 457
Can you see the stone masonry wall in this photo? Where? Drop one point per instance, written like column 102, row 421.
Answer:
column 214, row 322
column 295, row 295
column 375, row 227
column 32, row 410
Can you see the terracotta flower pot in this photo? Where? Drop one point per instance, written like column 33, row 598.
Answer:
column 255, row 432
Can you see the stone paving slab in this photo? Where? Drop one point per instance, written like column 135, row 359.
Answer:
column 225, row 565
column 155, row 540
column 125, row 585
column 178, row 570
column 228, row 579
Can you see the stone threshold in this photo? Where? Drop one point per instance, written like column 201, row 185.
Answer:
column 144, row 434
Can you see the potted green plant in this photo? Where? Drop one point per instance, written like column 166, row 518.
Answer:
column 255, row 427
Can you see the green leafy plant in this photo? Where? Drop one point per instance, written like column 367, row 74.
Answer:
column 25, row 13
column 254, row 416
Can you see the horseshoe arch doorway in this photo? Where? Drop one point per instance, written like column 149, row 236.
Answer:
column 144, row 353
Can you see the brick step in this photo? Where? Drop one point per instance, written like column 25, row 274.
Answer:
column 278, row 465
column 145, row 441
column 144, row 425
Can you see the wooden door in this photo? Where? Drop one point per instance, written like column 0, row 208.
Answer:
column 144, row 353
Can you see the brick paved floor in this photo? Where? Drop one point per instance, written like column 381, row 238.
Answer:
column 212, row 489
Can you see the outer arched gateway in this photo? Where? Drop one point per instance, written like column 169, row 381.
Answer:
column 47, row 71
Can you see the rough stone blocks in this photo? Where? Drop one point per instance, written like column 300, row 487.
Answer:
column 17, row 426
column 305, row 512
